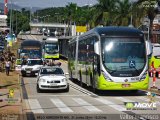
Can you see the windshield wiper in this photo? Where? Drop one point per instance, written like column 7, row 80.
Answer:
column 126, row 67
column 111, row 71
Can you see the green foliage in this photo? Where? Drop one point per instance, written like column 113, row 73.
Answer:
column 20, row 20
column 105, row 12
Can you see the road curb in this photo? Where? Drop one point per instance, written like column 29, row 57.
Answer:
column 152, row 92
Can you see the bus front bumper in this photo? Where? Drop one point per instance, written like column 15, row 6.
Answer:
column 106, row 85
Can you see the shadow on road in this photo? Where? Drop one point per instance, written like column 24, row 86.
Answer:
column 111, row 92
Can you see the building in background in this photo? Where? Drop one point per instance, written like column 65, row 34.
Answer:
column 3, row 23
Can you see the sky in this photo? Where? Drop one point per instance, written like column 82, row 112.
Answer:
column 49, row 3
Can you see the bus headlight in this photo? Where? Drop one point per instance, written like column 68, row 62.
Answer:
column 106, row 77
column 144, row 76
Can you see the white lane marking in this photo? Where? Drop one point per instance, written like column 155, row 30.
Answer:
column 35, row 96
column 124, row 99
column 143, row 99
column 35, row 106
column 111, row 104
column 158, row 97
column 86, row 105
column 60, row 105
column 27, row 104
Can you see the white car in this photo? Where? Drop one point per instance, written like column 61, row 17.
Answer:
column 32, row 67
column 52, row 78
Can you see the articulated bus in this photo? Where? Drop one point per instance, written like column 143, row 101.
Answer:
column 110, row 58
column 51, row 48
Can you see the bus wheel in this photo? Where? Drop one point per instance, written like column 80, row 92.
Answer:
column 71, row 76
column 96, row 91
column 80, row 78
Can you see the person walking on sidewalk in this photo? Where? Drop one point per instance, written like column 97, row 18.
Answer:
column 7, row 65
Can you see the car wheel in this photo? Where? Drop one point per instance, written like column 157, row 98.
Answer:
column 23, row 75
column 38, row 89
column 67, row 89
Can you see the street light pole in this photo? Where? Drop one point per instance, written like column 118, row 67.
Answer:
column 131, row 13
column 11, row 19
column 30, row 13
column 131, row 21
column 16, row 22
column 148, row 29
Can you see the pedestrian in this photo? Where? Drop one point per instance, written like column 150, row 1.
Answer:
column 7, row 65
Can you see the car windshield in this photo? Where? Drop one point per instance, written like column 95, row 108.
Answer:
column 51, row 71
column 35, row 62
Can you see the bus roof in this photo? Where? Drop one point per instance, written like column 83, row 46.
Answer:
column 114, row 31
column 51, row 39
column 31, row 43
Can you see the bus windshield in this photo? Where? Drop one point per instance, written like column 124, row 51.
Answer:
column 123, row 57
column 32, row 53
column 51, row 48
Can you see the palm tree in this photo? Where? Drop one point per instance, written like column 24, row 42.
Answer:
column 70, row 13
column 105, row 10
column 124, row 11
column 150, row 10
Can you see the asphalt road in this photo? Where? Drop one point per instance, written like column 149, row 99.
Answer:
column 81, row 103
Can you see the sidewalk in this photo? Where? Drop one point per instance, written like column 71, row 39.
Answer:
column 10, row 105
column 152, row 89
column 10, row 96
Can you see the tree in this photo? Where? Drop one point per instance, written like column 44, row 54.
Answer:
column 70, row 11
column 20, row 20
column 105, row 11
column 123, row 13
column 149, row 8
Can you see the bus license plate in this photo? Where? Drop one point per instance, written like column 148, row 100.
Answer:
column 125, row 85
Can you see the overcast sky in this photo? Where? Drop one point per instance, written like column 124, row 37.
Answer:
column 49, row 3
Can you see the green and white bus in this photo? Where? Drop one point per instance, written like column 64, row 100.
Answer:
column 110, row 58
column 51, row 48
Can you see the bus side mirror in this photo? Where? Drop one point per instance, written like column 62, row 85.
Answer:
column 96, row 48
column 149, row 48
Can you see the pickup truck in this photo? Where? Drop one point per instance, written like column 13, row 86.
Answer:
column 31, row 67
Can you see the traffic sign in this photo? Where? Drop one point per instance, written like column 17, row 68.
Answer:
column 81, row 28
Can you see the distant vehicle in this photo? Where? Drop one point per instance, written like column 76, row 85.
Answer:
column 1, row 49
column 110, row 58
column 52, row 78
column 155, row 57
column 45, row 35
column 51, row 48
column 2, row 46
column 18, row 65
column 31, row 67
column 30, row 49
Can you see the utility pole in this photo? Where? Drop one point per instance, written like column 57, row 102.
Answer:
column 16, row 23
column 30, row 14
column 11, row 19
